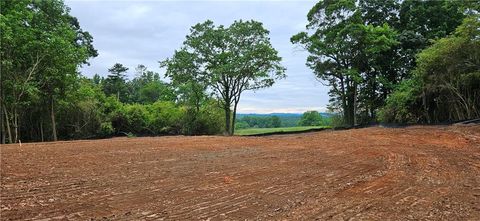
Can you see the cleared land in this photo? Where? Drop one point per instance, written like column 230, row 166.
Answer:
column 426, row 173
column 255, row 131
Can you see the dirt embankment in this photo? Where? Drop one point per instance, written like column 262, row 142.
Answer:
column 426, row 173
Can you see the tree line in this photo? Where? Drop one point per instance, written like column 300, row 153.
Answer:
column 42, row 47
column 44, row 97
column 258, row 122
column 308, row 118
column 403, row 61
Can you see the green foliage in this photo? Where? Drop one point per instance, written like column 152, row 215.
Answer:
column 364, row 49
column 311, row 118
column 106, row 129
column 259, row 122
column 446, row 85
column 136, row 118
column 155, row 91
column 402, row 105
column 80, row 111
column 241, row 125
column 346, row 51
column 226, row 61
column 165, row 117
column 276, row 122
column 115, row 83
column 147, row 88
column 42, row 47
column 337, row 121
column 290, row 120
column 208, row 120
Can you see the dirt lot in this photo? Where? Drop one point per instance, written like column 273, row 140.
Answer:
column 426, row 173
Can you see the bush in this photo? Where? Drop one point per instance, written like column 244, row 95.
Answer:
column 403, row 105
column 106, row 129
column 130, row 118
column 137, row 119
column 337, row 120
column 311, row 118
column 165, row 118
column 208, row 120
column 241, row 125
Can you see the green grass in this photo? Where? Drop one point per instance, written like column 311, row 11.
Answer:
column 253, row 131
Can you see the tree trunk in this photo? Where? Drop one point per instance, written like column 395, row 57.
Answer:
column 425, row 108
column 354, row 114
column 2, row 122
column 52, row 115
column 198, row 97
column 227, row 119
column 350, row 104
column 234, row 116
column 15, row 125
column 9, row 131
column 41, row 130
column 344, row 102
column 2, row 125
column 350, row 109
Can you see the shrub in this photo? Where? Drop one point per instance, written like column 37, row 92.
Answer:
column 137, row 118
column 311, row 118
column 208, row 120
column 165, row 117
column 403, row 105
column 106, row 129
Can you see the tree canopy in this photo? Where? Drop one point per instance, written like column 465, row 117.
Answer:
column 446, row 81
column 42, row 47
column 364, row 49
column 400, row 61
column 226, row 61
column 311, row 118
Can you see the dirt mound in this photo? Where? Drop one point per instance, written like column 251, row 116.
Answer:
column 413, row 173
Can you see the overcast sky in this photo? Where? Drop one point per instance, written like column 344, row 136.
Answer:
column 145, row 32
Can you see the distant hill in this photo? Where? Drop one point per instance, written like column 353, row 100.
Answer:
column 280, row 114
column 270, row 114
column 287, row 119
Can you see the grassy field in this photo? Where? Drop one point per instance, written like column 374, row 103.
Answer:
column 252, row 131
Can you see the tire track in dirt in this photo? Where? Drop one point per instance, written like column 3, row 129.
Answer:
column 365, row 174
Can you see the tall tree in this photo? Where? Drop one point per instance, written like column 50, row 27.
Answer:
column 446, row 82
column 340, row 45
column 115, row 83
column 364, row 49
column 185, row 73
column 422, row 21
column 19, row 64
column 147, row 88
column 228, row 60
column 311, row 118
column 42, row 47
column 69, row 48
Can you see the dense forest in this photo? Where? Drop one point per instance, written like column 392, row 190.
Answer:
column 406, row 61
column 44, row 97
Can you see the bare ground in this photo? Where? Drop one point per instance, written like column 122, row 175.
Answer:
column 415, row 173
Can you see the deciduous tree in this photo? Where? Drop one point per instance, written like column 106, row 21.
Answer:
column 227, row 61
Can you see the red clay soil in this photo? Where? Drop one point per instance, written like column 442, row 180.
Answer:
column 415, row 173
